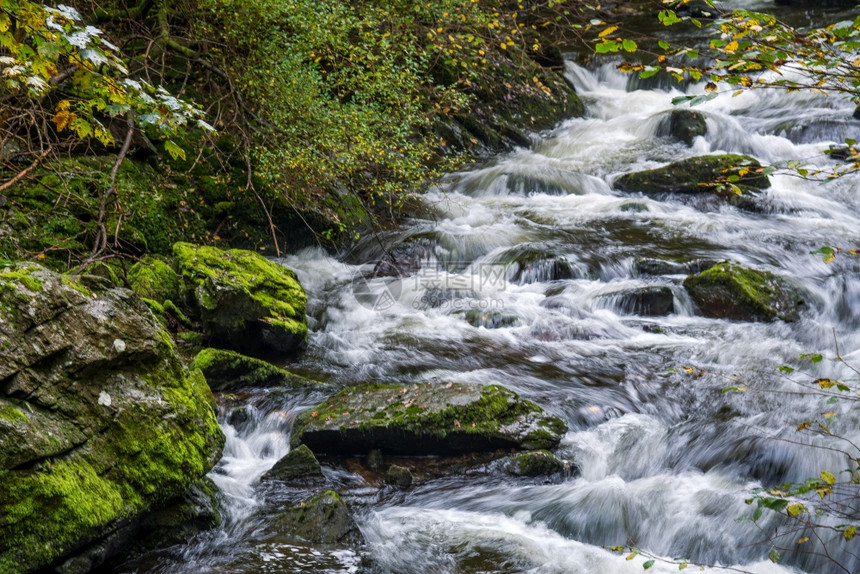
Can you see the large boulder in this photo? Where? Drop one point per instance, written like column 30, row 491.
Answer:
column 245, row 301
column 229, row 370
column 299, row 464
column 698, row 175
column 99, row 419
column 322, row 519
column 731, row 291
column 425, row 419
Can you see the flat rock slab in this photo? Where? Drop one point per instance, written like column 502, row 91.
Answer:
column 426, row 419
column 702, row 174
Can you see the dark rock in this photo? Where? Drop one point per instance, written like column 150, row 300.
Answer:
column 299, row 463
column 664, row 267
column 731, row 291
column 406, row 258
column 536, row 463
column 399, row 476
column 856, row 114
column 700, row 174
column 653, row 301
column 844, row 152
column 321, row 519
column 245, row 301
column 527, row 264
column 684, row 125
column 818, row 3
column 426, row 419
column 100, row 422
column 490, row 319
column 374, row 460
column 442, row 297
column 229, row 370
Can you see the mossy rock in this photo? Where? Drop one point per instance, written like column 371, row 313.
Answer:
column 731, row 291
column 398, row 476
column 299, row 463
column 701, row 174
column 100, row 421
column 426, row 419
column 490, row 319
column 648, row 266
column 683, row 125
column 536, row 463
column 229, row 370
column 245, row 301
column 321, row 519
column 153, row 278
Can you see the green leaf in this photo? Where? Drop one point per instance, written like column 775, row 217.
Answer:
column 649, row 71
column 663, row 44
column 774, row 555
column 606, row 47
column 174, row 150
column 647, row 565
column 629, row 46
column 785, row 369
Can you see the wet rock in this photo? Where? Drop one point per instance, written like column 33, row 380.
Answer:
column 321, row 519
column 229, row 370
column 406, row 258
column 398, row 476
column 856, row 114
column 374, row 460
column 651, row 301
column 100, row 422
column 702, row 174
column 426, row 419
column 443, row 297
column 844, row 153
column 527, row 264
column 245, row 301
column 818, row 3
column 731, row 291
column 664, row 267
column 490, row 319
column 299, row 463
column 683, row 125
column 536, row 463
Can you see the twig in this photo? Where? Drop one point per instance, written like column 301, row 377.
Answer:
column 23, row 173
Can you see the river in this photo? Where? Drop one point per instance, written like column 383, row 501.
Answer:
column 666, row 459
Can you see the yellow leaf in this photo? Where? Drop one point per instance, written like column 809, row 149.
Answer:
column 743, row 171
column 731, row 47
column 607, row 31
column 826, row 383
column 803, row 540
column 828, row 414
column 5, row 22
column 63, row 119
column 828, row 477
column 849, row 532
column 710, row 87
column 795, row 509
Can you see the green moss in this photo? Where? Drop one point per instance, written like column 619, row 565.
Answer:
column 731, row 291
column 240, row 292
column 434, row 410
column 229, row 369
column 698, row 174
column 22, row 275
column 12, row 415
column 155, row 279
column 72, row 283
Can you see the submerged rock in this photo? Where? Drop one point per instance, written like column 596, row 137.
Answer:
column 490, row 319
column 99, row 420
column 299, row 463
column 683, row 125
column 245, row 301
column 399, row 476
column 731, row 291
column 664, row 267
column 426, row 419
column 229, row 370
column 699, row 174
column 321, row 519
column 652, row 300
column 536, row 463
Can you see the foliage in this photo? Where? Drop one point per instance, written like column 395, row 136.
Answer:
column 751, row 50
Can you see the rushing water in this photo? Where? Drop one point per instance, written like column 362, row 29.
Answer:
column 666, row 458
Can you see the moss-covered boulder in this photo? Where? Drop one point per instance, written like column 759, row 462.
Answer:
column 425, row 419
column 731, row 291
column 321, row 519
column 299, row 463
column 99, row 419
column 245, row 301
column 701, row 174
column 153, row 278
column 229, row 370
column 535, row 463
column 398, row 476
